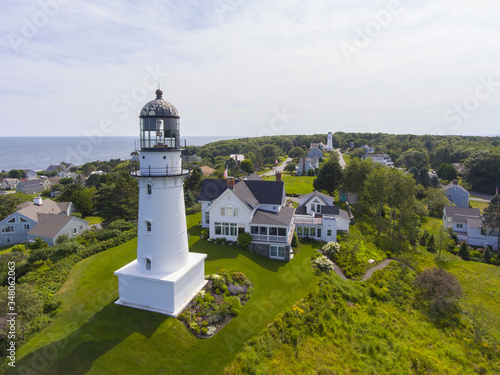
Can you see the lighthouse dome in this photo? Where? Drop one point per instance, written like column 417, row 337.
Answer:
column 159, row 107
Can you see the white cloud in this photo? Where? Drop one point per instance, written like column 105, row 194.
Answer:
column 230, row 63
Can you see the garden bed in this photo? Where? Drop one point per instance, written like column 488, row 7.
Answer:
column 217, row 303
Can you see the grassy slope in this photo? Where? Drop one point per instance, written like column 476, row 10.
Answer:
column 296, row 184
column 92, row 334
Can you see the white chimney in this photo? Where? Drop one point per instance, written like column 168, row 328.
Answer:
column 37, row 201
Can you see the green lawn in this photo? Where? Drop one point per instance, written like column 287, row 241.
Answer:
column 295, row 184
column 347, row 158
column 432, row 224
column 5, row 249
column 478, row 204
column 93, row 335
column 93, row 219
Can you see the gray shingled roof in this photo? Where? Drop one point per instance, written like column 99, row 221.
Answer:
column 211, row 189
column 49, row 225
column 330, row 210
column 267, row 192
column 284, row 217
column 32, row 210
column 461, row 211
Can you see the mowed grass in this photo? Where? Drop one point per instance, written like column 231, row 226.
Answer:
column 478, row 204
column 93, row 220
column 295, row 184
column 93, row 335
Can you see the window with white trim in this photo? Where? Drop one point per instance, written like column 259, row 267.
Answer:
column 277, row 252
column 13, row 220
column 149, row 189
column 26, row 227
column 222, row 211
column 318, row 232
column 7, row 239
column 460, row 225
column 207, row 217
column 229, row 210
column 148, row 264
column 236, row 211
column 8, row 229
column 75, row 230
column 329, row 232
column 148, row 226
column 23, row 220
column 229, row 229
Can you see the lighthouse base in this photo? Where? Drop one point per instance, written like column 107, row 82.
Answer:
column 166, row 294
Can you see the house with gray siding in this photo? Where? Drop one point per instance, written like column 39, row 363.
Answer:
column 35, row 186
column 9, row 183
column 315, row 153
column 51, row 226
column 306, row 164
column 457, row 195
column 15, row 227
column 467, row 223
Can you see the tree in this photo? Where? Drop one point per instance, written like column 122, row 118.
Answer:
column 447, row 172
column 436, row 200
column 375, row 192
column 443, row 240
column 81, row 199
column 193, row 182
column 431, row 247
column 244, row 239
column 440, row 290
column 290, row 167
column 270, row 153
column 355, row 175
column 17, row 173
column 297, row 152
column 329, row 176
column 414, row 158
column 482, row 170
column 492, row 217
column 463, row 251
column 247, row 166
column 487, row 255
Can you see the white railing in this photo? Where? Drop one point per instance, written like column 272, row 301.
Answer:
column 269, row 238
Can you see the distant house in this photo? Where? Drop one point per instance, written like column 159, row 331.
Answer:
column 52, row 167
column 33, row 186
column 238, row 158
column 383, row 159
column 191, row 158
column 306, row 164
column 315, row 153
column 253, row 206
column 319, row 145
column 467, row 224
column 317, row 217
column 9, row 183
column 51, row 226
column 62, row 166
column 458, row 195
column 30, row 174
column 206, row 170
column 368, row 149
column 459, row 167
column 15, row 227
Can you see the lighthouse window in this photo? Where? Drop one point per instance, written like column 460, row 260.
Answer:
column 150, row 189
column 148, row 226
column 148, row 264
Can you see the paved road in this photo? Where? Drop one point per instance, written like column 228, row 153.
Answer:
column 279, row 168
column 341, row 158
column 369, row 272
column 481, row 196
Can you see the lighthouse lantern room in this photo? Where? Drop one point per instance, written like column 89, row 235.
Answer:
column 165, row 276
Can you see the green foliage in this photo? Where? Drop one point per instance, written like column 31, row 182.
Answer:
column 355, row 175
column 244, row 239
column 83, row 202
column 9, row 203
column 297, row 152
column 436, row 200
column 247, row 166
column 413, row 157
column 431, row 246
column 290, row 167
column 481, row 170
column 329, row 177
column 440, row 292
column 492, row 217
column 486, row 255
column 464, row 251
column 447, row 172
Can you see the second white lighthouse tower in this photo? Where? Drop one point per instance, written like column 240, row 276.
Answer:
column 165, row 276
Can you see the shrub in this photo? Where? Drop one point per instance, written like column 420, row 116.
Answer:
column 463, row 252
column 323, row 263
column 331, row 248
column 487, row 255
column 295, row 240
column 440, row 290
column 244, row 239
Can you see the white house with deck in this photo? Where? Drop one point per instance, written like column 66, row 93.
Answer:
column 318, row 218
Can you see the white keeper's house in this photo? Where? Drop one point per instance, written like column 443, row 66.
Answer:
column 257, row 207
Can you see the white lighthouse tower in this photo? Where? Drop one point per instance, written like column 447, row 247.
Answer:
column 329, row 144
column 165, row 276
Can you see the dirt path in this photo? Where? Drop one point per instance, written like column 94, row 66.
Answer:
column 369, row 272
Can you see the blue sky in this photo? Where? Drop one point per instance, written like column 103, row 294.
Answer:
column 251, row 67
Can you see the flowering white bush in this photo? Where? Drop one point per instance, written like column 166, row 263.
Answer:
column 331, row 248
column 323, row 263
column 214, row 277
column 201, row 293
column 211, row 240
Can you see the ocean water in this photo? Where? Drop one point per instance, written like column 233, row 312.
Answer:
column 39, row 152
